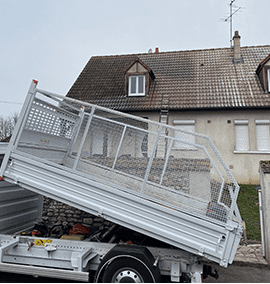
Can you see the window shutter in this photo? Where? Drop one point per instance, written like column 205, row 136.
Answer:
column 262, row 135
column 241, row 135
column 185, row 125
column 97, row 143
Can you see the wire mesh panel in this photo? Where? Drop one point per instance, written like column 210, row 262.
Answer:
column 166, row 165
column 48, row 130
column 47, row 118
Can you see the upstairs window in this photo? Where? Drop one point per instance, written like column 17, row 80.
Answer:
column 241, row 135
column 183, row 132
column 138, row 79
column 263, row 72
column 263, row 138
column 268, row 75
column 136, row 85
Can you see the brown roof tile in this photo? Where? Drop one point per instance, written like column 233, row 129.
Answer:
column 192, row 79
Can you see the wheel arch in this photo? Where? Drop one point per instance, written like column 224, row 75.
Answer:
column 138, row 253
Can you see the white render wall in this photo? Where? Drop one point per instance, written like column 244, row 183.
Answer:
column 245, row 165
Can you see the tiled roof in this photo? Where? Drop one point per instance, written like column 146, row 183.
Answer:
column 189, row 79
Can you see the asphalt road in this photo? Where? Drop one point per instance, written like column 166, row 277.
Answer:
column 240, row 274
column 18, row 278
column 232, row 274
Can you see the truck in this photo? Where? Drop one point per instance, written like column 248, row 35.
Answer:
column 168, row 185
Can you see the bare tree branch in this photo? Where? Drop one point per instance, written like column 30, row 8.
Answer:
column 7, row 125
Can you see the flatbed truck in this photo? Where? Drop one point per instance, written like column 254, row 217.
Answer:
column 133, row 172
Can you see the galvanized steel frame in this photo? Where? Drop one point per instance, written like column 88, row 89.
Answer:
column 188, row 231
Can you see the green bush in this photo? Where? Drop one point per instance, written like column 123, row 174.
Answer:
column 248, row 204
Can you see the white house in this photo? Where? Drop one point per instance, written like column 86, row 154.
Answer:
column 223, row 93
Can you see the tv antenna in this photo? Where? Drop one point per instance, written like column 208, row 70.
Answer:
column 233, row 9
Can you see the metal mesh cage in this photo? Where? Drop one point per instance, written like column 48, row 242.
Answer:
column 172, row 167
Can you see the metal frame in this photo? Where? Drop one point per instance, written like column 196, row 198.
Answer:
column 73, row 260
column 116, row 201
column 83, row 139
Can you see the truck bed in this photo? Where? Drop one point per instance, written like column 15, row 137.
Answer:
column 128, row 170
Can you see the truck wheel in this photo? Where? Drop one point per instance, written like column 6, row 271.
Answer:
column 125, row 263
column 128, row 270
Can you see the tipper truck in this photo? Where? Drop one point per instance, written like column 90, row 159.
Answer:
column 166, row 184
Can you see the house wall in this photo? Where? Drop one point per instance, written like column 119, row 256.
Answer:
column 220, row 127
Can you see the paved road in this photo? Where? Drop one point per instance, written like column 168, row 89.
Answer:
column 232, row 274
column 240, row 274
column 18, row 278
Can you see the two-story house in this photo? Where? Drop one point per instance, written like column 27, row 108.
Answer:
column 222, row 92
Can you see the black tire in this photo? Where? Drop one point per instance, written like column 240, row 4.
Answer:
column 128, row 270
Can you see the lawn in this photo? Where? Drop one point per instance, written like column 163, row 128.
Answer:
column 248, row 203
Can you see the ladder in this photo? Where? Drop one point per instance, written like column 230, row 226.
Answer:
column 164, row 119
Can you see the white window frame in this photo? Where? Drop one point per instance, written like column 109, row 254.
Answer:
column 263, row 135
column 185, row 125
column 241, row 136
column 137, row 93
column 268, row 76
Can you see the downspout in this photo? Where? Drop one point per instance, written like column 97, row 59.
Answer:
column 261, row 218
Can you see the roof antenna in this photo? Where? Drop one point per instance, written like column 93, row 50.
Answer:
column 233, row 10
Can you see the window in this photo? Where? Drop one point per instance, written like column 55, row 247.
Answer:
column 268, row 76
column 184, row 126
column 262, row 135
column 241, row 135
column 136, row 85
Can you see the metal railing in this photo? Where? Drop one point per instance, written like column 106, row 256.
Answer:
column 145, row 158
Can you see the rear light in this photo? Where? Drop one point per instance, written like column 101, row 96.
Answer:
column 1, row 178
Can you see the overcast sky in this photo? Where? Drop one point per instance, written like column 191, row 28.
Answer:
column 52, row 40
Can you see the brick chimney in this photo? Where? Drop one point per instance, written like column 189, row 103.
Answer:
column 237, row 58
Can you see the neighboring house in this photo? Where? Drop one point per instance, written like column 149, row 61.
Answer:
column 223, row 93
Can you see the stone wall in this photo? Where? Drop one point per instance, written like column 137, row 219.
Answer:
column 55, row 212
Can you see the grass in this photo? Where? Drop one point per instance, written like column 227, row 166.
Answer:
column 248, row 203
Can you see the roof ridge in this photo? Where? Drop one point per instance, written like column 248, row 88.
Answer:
column 177, row 51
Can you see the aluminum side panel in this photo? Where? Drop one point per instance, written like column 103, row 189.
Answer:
column 19, row 208
column 180, row 229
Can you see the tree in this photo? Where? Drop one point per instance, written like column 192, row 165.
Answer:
column 7, row 125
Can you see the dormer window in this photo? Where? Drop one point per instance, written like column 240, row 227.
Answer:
column 136, row 85
column 138, row 77
column 268, row 75
column 263, row 72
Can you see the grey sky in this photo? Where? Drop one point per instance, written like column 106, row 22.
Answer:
column 52, row 40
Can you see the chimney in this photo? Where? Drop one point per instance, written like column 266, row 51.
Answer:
column 156, row 50
column 237, row 58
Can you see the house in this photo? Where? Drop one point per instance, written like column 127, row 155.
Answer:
column 223, row 93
